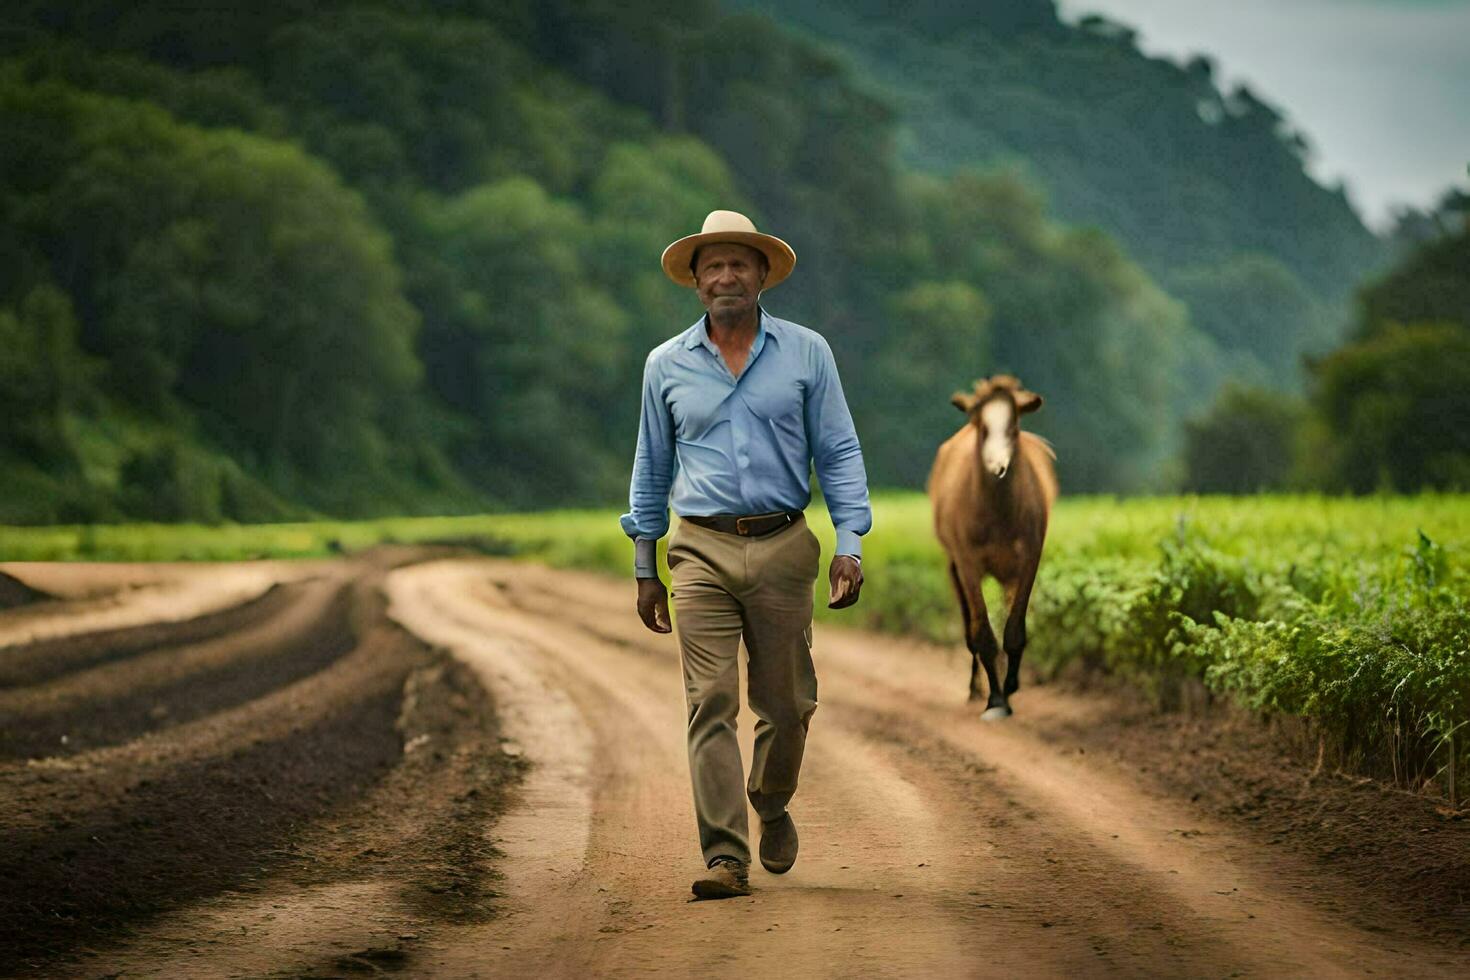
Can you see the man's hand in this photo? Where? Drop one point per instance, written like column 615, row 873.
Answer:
column 653, row 605
column 846, row 578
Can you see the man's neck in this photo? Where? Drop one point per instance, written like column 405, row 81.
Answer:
column 735, row 339
column 741, row 330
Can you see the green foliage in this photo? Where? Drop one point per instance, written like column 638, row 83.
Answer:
column 30, row 494
column 1430, row 286
column 530, row 338
column 937, row 328
column 445, row 102
column 1397, row 410
column 1192, row 584
column 220, row 276
column 1253, row 304
column 45, row 376
column 1311, row 607
column 401, row 255
column 1206, row 188
column 1246, row 443
column 1067, row 313
column 212, row 97
column 1391, row 408
column 171, row 480
column 1294, row 605
column 1085, row 606
column 1383, row 673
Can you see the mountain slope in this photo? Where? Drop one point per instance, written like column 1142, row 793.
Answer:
column 1205, row 188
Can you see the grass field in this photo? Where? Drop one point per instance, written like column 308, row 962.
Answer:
column 1350, row 613
column 1112, row 529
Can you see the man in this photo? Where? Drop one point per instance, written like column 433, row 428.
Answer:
column 745, row 404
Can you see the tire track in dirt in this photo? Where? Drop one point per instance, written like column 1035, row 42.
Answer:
column 104, row 835
column 840, row 906
column 369, row 884
column 843, row 776
column 367, row 778
column 1023, row 860
column 153, row 689
column 840, row 903
column 90, row 598
column 42, row 660
column 373, row 814
column 14, row 592
column 1284, row 910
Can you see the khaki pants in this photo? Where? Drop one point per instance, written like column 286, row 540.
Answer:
column 725, row 588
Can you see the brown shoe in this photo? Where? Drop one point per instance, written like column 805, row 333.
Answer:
column 726, row 878
column 778, row 844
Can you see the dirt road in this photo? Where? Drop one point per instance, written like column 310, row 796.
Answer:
column 497, row 786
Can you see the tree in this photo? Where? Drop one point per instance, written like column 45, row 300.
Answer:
column 522, row 341
column 1397, row 408
column 937, row 328
column 1245, row 443
column 1251, row 303
column 1432, row 285
column 1071, row 316
column 45, row 377
column 221, row 275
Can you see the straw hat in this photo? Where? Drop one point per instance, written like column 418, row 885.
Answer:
column 729, row 227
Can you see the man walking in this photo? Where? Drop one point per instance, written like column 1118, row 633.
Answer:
column 745, row 404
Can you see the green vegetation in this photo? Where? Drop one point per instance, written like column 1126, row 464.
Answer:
column 399, row 257
column 1349, row 613
column 1387, row 411
column 1247, row 442
column 1392, row 407
column 1204, row 187
column 586, row 539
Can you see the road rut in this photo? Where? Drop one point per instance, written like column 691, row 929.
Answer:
column 932, row 844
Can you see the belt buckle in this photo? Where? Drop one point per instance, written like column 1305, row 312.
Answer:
column 740, row 527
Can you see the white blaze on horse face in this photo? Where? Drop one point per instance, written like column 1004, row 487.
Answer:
column 995, row 453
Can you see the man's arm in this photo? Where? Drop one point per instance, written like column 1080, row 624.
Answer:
column 838, row 459
column 647, row 519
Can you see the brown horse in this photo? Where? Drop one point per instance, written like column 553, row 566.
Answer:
column 992, row 487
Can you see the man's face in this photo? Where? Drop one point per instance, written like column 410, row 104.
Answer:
column 728, row 278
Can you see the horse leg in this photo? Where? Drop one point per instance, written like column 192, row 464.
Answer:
column 959, row 593
column 980, row 639
column 1019, row 595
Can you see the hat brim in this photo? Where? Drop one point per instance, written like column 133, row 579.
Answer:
column 779, row 255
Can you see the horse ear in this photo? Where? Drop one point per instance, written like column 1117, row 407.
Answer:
column 963, row 400
column 1027, row 401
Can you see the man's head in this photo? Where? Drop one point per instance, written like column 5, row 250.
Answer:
column 682, row 259
column 729, row 278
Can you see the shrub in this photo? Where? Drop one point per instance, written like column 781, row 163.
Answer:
column 1191, row 584
column 1383, row 674
column 1076, row 612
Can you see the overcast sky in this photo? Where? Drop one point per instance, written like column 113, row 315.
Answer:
column 1380, row 87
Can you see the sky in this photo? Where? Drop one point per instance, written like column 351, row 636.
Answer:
column 1381, row 88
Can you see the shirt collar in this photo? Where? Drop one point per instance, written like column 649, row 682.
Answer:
column 765, row 327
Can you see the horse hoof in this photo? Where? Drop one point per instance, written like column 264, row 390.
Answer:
column 996, row 713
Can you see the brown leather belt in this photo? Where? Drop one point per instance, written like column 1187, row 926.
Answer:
column 748, row 526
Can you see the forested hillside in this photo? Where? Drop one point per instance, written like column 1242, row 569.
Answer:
column 1205, row 187
column 1392, row 406
column 401, row 256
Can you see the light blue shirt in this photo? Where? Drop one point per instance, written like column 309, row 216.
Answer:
column 709, row 443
